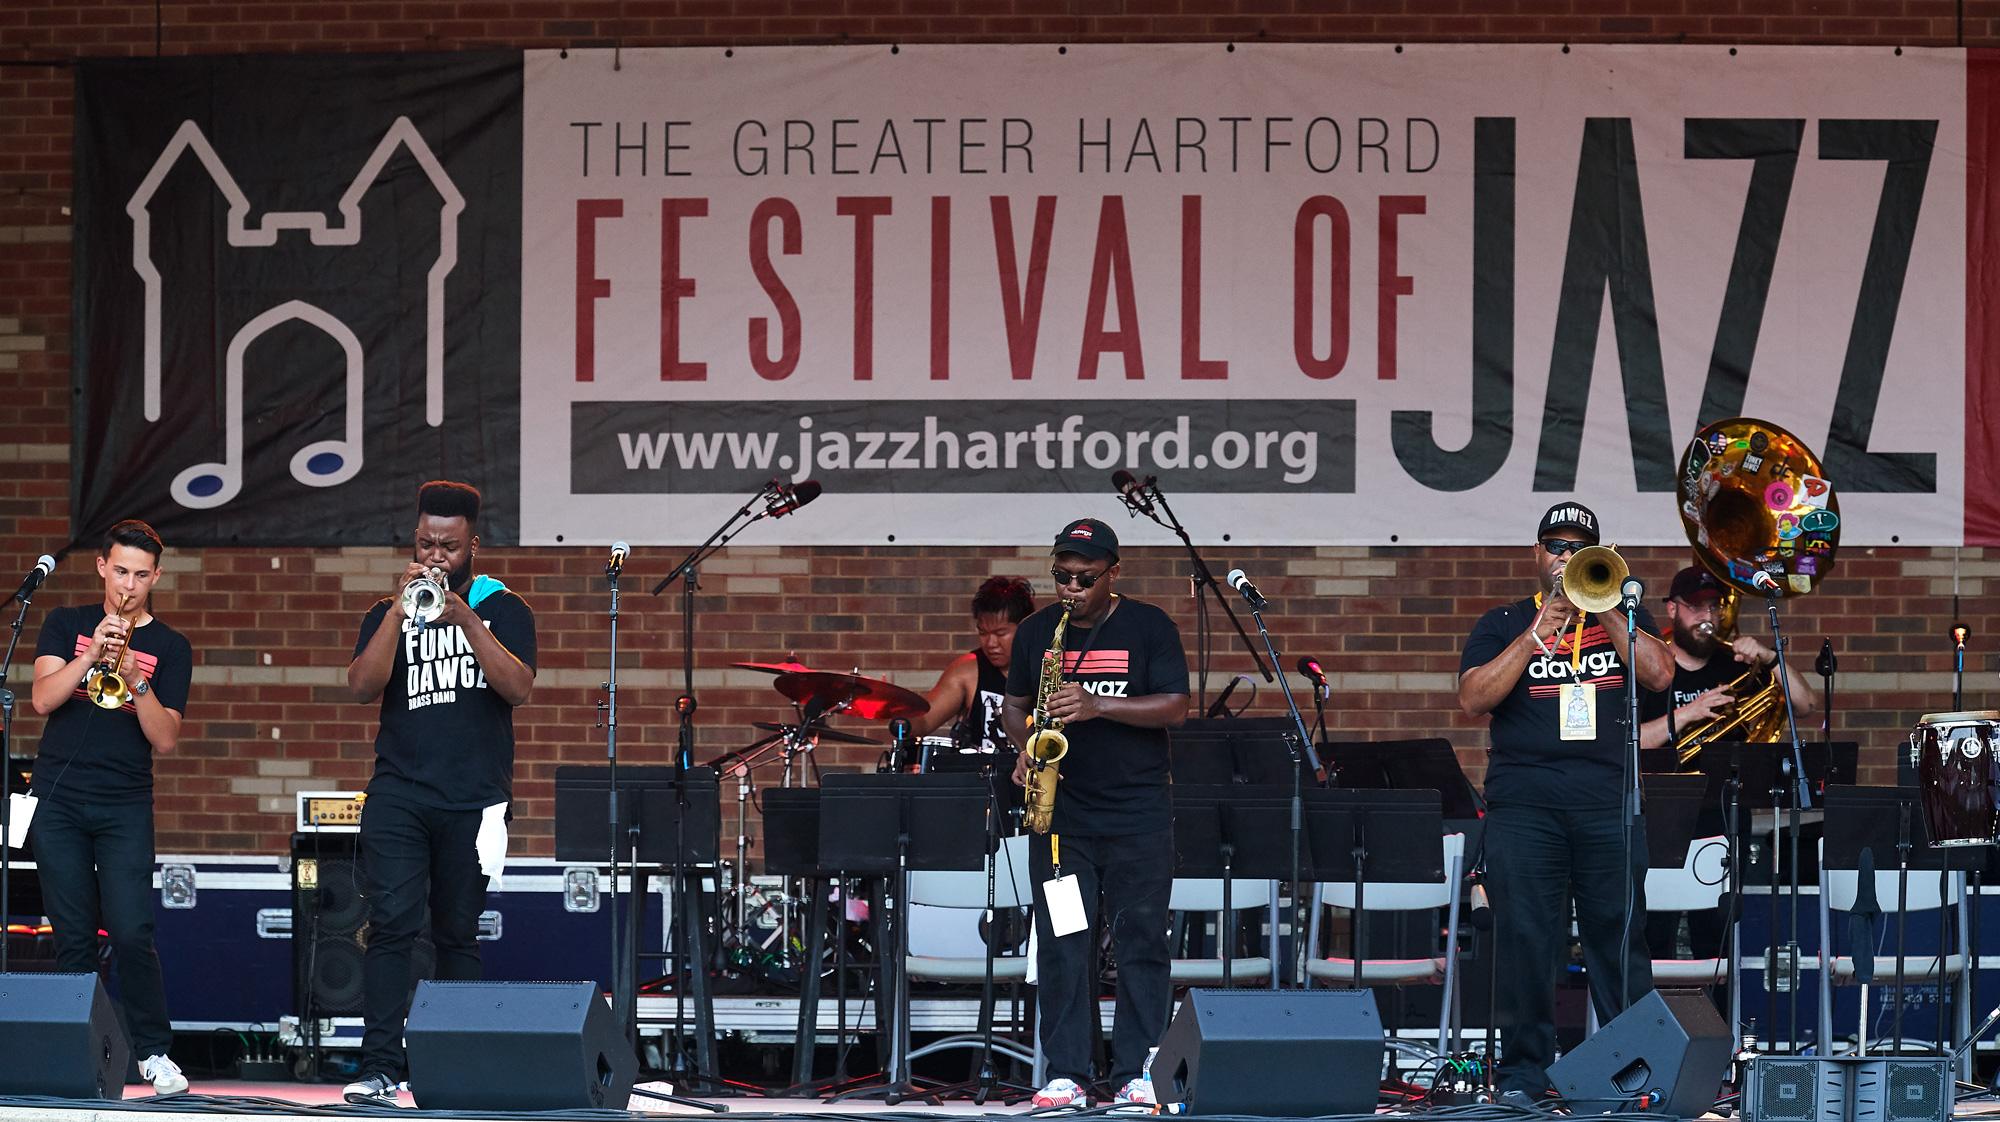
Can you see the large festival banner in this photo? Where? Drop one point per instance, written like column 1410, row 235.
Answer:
column 1325, row 294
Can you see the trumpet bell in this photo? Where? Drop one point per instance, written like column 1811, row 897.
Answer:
column 1594, row 578
column 423, row 598
column 107, row 689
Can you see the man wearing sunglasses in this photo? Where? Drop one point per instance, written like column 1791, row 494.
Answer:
column 1125, row 683
column 1551, row 677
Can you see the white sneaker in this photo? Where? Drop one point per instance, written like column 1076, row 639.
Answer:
column 163, row 1074
column 1137, row 1091
column 373, row 1088
column 1059, row 1092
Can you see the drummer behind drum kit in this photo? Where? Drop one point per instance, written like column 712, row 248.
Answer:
column 815, row 695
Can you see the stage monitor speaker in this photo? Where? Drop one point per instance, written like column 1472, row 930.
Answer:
column 1282, row 1053
column 1848, row 1089
column 516, row 1046
column 1670, row 1050
column 60, row 1037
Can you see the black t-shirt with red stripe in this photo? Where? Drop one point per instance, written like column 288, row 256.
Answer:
column 1530, row 764
column 90, row 754
column 1114, row 779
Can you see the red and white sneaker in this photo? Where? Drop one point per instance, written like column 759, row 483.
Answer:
column 1059, row 1092
column 1137, row 1091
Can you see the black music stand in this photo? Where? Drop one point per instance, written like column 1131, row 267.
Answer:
column 1231, row 831
column 1424, row 764
column 651, row 810
column 1235, row 750
column 1673, row 809
column 1359, row 836
column 1889, row 821
column 791, row 848
column 1757, row 776
column 889, row 825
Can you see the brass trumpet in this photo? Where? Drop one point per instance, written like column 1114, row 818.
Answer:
column 103, row 684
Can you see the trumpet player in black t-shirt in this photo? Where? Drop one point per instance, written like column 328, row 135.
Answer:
column 444, row 768
column 113, row 681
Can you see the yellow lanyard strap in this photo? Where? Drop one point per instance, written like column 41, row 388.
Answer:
column 1575, row 643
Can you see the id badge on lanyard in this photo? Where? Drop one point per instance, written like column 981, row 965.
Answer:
column 1576, row 701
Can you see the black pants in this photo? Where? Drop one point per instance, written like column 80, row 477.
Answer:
column 96, row 868
column 1127, row 879
column 1539, row 860
column 412, row 858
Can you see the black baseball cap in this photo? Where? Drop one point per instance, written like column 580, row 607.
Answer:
column 1694, row 581
column 1089, row 537
column 1575, row 516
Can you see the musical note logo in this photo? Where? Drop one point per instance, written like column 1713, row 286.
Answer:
column 324, row 463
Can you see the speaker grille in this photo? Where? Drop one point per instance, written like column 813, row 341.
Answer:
column 330, row 928
column 1787, row 1091
column 1916, row 1093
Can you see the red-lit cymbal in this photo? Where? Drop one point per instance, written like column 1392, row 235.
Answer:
column 871, row 699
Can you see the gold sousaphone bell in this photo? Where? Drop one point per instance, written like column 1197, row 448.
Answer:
column 1755, row 504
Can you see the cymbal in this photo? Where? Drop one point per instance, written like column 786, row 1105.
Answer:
column 820, row 731
column 776, row 667
column 871, row 699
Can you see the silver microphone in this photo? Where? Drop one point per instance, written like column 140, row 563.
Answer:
column 44, row 565
column 619, row 552
column 1763, row 581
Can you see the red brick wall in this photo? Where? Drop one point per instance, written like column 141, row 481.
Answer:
column 273, row 629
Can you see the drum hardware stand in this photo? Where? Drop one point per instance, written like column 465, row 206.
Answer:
column 1298, row 748
column 1146, row 498
column 26, row 597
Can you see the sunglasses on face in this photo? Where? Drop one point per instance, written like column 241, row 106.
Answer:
column 1081, row 580
column 1556, row 547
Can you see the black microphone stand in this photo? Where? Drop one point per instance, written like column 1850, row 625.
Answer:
column 1635, row 811
column 1142, row 499
column 1298, row 746
column 1801, row 797
column 26, row 597
column 683, row 917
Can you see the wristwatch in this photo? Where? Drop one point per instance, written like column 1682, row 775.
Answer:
column 142, row 688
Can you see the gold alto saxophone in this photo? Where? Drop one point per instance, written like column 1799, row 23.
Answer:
column 1046, row 743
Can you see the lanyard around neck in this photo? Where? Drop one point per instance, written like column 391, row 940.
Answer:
column 1575, row 643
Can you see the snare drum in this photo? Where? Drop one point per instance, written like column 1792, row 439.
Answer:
column 1958, row 779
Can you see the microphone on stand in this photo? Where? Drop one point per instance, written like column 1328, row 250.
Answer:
column 1764, row 582
column 1633, row 591
column 1220, row 707
column 1826, row 665
column 1240, row 581
column 1310, row 670
column 44, row 565
column 1959, row 634
column 789, row 499
column 1133, row 491
column 619, row 551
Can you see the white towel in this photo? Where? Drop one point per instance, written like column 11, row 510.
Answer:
column 491, row 844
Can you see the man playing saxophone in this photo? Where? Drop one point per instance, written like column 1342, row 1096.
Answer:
column 1124, row 684
column 1705, row 665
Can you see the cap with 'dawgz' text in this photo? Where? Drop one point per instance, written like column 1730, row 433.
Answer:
column 1088, row 537
column 1572, row 515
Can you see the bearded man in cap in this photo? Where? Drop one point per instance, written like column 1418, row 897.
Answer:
column 1551, row 676
column 1704, row 664
column 1110, row 849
